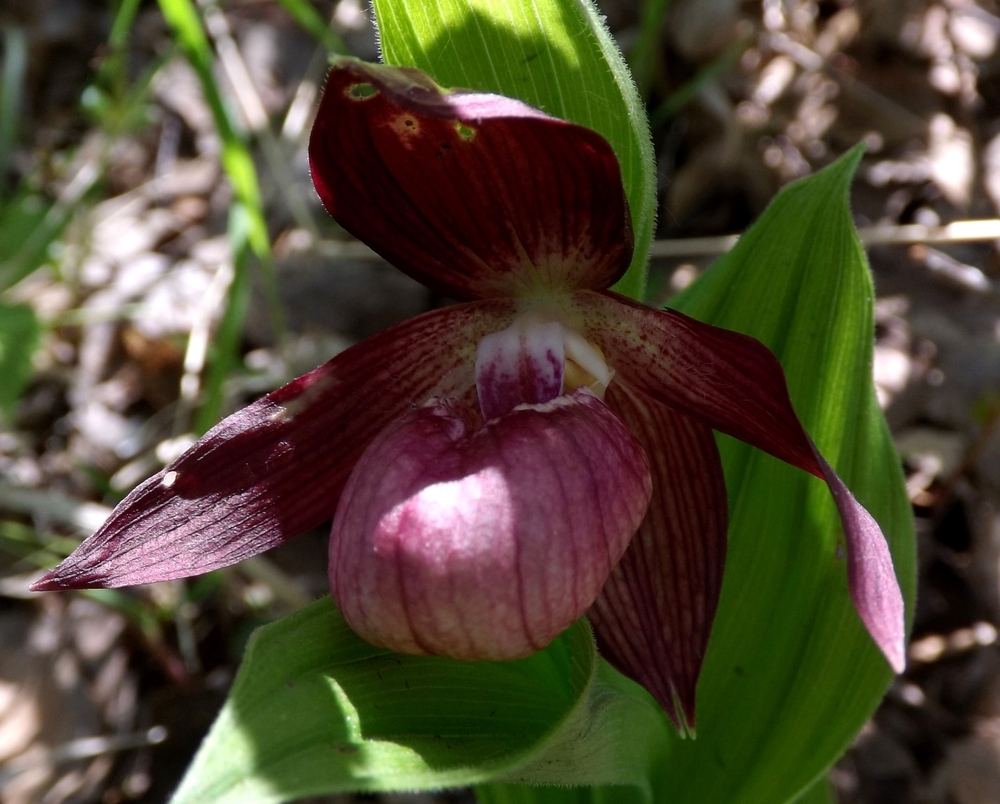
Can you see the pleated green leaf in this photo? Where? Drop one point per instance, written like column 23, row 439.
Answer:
column 316, row 710
column 554, row 54
column 791, row 675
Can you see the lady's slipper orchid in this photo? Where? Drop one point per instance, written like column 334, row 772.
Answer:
column 497, row 468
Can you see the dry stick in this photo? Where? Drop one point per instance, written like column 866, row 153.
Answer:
column 82, row 748
column 954, row 272
column 197, row 346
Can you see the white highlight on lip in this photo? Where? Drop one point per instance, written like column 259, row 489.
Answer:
column 455, row 525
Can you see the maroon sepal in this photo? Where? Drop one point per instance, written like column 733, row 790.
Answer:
column 474, row 195
column 655, row 613
column 734, row 384
column 276, row 468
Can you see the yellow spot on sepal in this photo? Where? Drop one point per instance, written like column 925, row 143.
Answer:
column 406, row 126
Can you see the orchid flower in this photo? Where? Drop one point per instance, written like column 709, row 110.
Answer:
column 497, row 468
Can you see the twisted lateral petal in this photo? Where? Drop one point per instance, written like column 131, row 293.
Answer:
column 485, row 544
column 474, row 195
column 654, row 615
column 870, row 573
column 734, row 384
column 276, row 468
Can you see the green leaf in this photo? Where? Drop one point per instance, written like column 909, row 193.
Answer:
column 616, row 736
column 791, row 675
column 316, row 710
column 820, row 793
column 554, row 54
column 19, row 335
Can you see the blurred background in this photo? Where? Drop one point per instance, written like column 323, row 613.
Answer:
column 146, row 290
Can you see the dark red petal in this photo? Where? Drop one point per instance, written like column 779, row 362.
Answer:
column 734, row 384
column 474, row 195
column 276, row 468
column 655, row 614
column 485, row 543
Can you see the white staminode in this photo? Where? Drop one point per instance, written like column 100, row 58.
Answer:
column 588, row 357
column 562, row 358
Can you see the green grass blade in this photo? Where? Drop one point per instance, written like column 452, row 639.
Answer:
column 29, row 224
column 122, row 27
column 12, row 75
column 20, row 333
column 229, row 333
column 183, row 18
column 690, row 89
column 642, row 57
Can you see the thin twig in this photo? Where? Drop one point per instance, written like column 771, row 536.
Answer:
column 957, row 232
column 82, row 748
column 302, row 107
column 197, row 346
